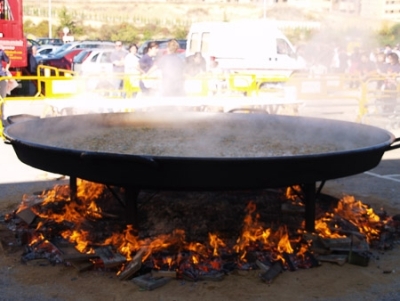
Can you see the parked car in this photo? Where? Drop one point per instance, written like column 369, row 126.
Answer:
column 79, row 59
column 97, row 69
column 98, row 62
column 44, row 50
column 62, row 60
column 32, row 43
column 50, row 41
column 83, row 44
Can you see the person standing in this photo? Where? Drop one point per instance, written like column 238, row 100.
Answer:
column 389, row 87
column 117, row 58
column 4, row 71
column 172, row 67
column 3, row 83
column 195, row 64
column 146, row 62
column 32, row 70
column 132, row 69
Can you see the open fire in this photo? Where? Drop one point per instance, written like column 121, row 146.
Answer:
column 227, row 231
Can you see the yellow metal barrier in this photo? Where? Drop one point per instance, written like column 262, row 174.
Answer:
column 243, row 83
column 378, row 101
column 56, row 84
column 324, row 86
column 131, row 85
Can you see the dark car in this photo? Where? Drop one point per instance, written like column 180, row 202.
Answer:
column 82, row 44
column 49, row 41
column 62, row 60
column 32, row 42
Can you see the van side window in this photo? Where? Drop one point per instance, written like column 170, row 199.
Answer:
column 194, row 42
column 205, row 42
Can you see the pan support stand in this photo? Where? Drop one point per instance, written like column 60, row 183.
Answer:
column 130, row 197
column 130, row 201
column 73, row 188
column 309, row 202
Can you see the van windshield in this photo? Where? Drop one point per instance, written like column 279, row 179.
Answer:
column 283, row 47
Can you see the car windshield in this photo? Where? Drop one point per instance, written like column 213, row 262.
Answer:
column 62, row 48
column 81, row 56
column 44, row 41
column 59, row 55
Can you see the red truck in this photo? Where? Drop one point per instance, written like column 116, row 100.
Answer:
column 12, row 34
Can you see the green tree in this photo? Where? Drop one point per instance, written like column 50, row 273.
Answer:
column 67, row 20
column 39, row 30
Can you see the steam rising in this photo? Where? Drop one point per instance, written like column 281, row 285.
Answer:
column 202, row 134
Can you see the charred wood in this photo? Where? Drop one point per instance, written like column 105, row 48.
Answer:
column 25, row 211
column 339, row 259
column 42, row 250
column 290, row 208
column 272, row 273
column 163, row 273
column 310, row 260
column 359, row 258
column 262, row 266
column 133, row 266
column 82, row 266
column 336, row 244
column 289, row 263
column 109, row 258
column 148, row 282
column 212, row 276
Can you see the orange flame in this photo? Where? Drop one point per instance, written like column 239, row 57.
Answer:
column 215, row 242
column 276, row 241
column 359, row 215
column 80, row 238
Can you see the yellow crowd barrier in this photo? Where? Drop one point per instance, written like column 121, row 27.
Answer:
column 58, row 84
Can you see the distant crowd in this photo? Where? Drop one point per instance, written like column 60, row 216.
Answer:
column 360, row 63
column 173, row 66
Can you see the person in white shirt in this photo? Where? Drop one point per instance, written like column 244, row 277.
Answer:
column 132, row 68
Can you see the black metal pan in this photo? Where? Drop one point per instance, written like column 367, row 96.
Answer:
column 297, row 149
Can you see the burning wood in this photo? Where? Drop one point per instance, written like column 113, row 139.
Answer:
column 42, row 249
column 109, row 258
column 133, row 266
column 337, row 244
column 25, row 211
column 100, row 240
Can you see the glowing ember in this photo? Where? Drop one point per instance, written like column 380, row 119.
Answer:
column 256, row 243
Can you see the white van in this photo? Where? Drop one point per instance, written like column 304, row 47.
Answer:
column 250, row 46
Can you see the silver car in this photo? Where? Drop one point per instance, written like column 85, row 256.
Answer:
column 97, row 62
